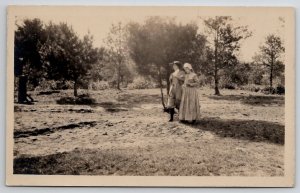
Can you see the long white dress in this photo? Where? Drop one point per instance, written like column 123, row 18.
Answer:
column 190, row 104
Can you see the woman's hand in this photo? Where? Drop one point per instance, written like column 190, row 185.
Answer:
column 192, row 84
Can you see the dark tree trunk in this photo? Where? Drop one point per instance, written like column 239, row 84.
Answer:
column 118, row 83
column 119, row 76
column 216, row 76
column 217, row 91
column 271, row 90
column 271, row 74
column 75, row 88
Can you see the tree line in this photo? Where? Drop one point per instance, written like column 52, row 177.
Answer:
column 56, row 52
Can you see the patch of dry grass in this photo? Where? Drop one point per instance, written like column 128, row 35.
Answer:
column 182, row 159
column 241, row 134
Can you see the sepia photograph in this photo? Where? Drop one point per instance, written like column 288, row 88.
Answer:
column 150, row 96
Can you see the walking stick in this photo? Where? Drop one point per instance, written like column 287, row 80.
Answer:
column 161, row 91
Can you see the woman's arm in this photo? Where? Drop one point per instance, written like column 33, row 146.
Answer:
column 193, row 82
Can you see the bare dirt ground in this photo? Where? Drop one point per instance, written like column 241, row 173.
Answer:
column 241, row 133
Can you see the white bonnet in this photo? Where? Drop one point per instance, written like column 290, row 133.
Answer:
column 187, row 65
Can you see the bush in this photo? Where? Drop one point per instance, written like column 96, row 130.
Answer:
column 280, row 89
column 64, row 85
column 251, row 87
column 141, row 83
column 229, row 86
column 268, row 90
column 99, row 85
column 85, row 100
column 46, row 85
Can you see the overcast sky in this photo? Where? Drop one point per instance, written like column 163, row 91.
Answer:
column 97, row 20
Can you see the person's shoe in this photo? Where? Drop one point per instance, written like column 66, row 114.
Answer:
column 166, row 110
column 172, row 112
column 183, row 121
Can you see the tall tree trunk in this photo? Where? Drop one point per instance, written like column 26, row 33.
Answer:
column 271, row 76
column 75, row 87
column 119, row 76
column 216, row 76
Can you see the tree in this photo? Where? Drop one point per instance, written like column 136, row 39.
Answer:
column 159, row 41
column 117, row 52
column 225, row 40
column 27, row 61
column 238, row 75
column 66, row 55
column 270, row 54
column 256, row 72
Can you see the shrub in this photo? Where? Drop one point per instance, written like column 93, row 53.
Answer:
column 48, row 85
column 45, row 85
column 251, row 87
column 85, row 100
column 230, row 86
column 141, row 83
column 64, row 85
column 268, row 90
column 99, row 85
column 280, row 89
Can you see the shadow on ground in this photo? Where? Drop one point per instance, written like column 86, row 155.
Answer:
column 127, row 101
column 137, row 99
column 93, row 162
column 267, row 100
column 252, row 130
column 111, row 106
column 48, row 130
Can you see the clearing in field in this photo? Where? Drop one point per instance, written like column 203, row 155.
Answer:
column 241, row 133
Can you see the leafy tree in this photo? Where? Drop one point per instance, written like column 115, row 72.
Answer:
column 256, row 73
column 27, row 61
column 117, row 53
column 96, row 72
column 270, row 53
column 159, row 41
column 224, row 39
column 66, row 55
column 239, row 74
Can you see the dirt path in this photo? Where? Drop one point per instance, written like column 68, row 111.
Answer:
column 128, row 134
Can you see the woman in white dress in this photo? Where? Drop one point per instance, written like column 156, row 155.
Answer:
column 190, row 106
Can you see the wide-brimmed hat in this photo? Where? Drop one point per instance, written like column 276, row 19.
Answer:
column 187, row 65
column 178, row 63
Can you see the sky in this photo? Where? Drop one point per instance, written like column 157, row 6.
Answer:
column 97, row 20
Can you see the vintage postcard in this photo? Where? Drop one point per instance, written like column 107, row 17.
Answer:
column 168, row 96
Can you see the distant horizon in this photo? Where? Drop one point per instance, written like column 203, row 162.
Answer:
column 98, row 23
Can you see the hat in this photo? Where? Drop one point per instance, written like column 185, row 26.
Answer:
column 177, row 63
column 188, row 65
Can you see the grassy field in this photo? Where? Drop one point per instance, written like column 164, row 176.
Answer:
column 241, row 133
